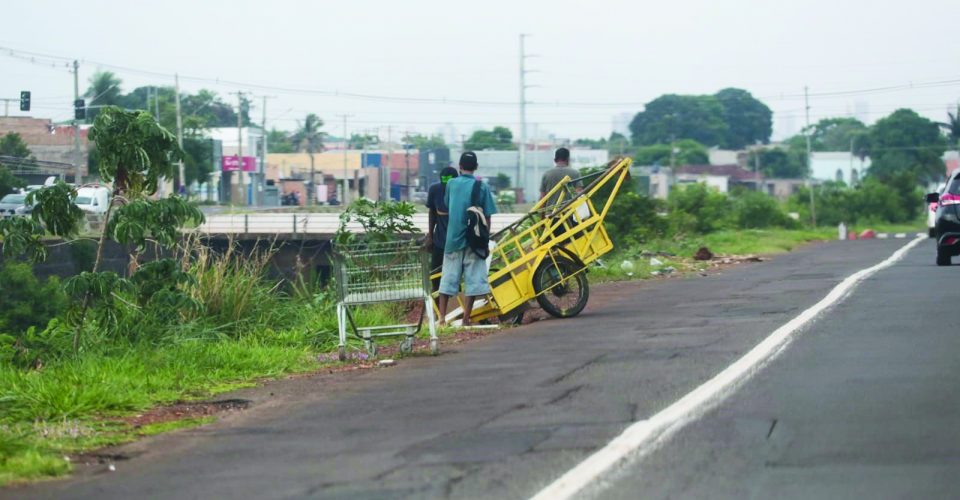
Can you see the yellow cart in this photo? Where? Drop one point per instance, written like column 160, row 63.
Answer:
column 545, row 255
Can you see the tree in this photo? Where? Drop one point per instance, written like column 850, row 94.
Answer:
column 688, row 152
column 748, row 120
column 500, row 138
column 906, row 142
column 618, row 144
column 279, row 141
column 420, row 141
column 600, row 143
column 952, row 127
column 362, row 141
column 12, row 145
column 833, row 134
column 104, row 90
column 309, row 138
column 672, row 117
column 9, row 182
column 779, row 163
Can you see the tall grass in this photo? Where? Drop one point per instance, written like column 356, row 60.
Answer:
column 247, row 326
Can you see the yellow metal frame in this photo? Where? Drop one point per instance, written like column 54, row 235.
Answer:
column 571, row 228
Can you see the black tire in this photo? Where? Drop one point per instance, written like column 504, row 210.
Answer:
column 555, row 299
column 943, row 258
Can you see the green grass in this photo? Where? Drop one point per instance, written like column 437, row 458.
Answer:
column 630, row 263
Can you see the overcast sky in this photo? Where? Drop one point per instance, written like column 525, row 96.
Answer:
column 588, row 54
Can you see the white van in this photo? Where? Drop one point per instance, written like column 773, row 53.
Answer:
column 93, row 199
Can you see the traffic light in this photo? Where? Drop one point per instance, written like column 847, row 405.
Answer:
column 25, row 100
column 79, row 109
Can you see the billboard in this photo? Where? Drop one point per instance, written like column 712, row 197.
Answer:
column 230, row 164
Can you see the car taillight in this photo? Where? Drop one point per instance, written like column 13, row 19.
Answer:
column 952, row 240
column 949, row 199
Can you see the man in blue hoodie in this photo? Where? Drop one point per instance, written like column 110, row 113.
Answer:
column 459, row 261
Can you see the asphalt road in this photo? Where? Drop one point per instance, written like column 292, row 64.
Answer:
column 868, row 387
column 866, row 404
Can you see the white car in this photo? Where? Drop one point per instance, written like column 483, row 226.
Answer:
column 932, row 213
column 93, row 200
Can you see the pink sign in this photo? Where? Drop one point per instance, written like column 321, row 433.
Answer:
column 230, row 164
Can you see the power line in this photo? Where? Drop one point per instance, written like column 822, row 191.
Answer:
column 48, row 59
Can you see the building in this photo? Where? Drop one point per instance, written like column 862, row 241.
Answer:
column 838, row 166
column 723, row 178
column 50, row 143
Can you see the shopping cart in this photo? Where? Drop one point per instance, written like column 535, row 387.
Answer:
column 382, row 272
column 545, row 255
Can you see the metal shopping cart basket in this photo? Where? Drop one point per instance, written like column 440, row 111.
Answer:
column 382, row 272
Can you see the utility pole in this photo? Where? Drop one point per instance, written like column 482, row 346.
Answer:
column 388, row 175
column 813, row 208
column 156, row 102
column 78, row 176
column 243, row 180
column 756, row 167
column 521, row 172
column 176, row 90
column 263, row 150
column 346, row 144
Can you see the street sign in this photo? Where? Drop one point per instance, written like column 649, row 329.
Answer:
column 25, row 100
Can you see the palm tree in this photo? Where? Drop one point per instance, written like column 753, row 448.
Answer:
column 104, row 90
column 309, row 138
column 952, row 126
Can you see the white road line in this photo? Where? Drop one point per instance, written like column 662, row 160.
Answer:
column 643, row 436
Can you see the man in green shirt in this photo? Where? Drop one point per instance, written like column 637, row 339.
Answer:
column 556, row 174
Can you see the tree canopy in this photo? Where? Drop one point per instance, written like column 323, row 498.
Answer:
column 12, row 145
column 688, row 152
column 748, row 120
column 500, row 138
column 906, row 143
column 420, row 141
column 779, row 163
column 672, row 117
column 308, row 137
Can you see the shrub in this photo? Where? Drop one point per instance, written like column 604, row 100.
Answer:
column 755, row 210
column 698, row 208
column 25, row 301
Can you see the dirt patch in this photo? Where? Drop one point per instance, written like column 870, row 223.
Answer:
column 182, row 410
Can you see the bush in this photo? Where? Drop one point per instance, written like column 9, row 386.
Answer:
column 25, row 301
column 697, row 208
column 755, row 210
column 634, row 219
column 872, row 201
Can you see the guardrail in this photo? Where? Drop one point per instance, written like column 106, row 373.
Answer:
column 307, row 223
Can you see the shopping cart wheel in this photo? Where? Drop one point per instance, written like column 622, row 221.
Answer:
column 434, row 349
column 559, row 293
column 407, row 345
column 342, row 353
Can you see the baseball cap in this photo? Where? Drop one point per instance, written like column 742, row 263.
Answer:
column 468, row 160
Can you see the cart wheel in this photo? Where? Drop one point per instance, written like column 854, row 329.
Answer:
column 434, row 349
column 407, row 345
column 514, row 317
column 342, row 353
column 372, row 349
column 564, row 297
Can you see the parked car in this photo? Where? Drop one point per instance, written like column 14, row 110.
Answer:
column 13, row 204
column 932, row 213
column 947, row 226
column 93, row 199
